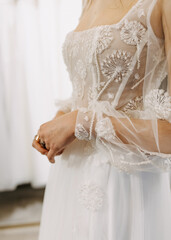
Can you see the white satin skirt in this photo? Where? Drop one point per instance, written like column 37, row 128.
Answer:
column 87, row 198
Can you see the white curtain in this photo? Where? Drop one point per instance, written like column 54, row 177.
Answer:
column 32, row 75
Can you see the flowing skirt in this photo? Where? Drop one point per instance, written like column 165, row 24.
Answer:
column 87, row 198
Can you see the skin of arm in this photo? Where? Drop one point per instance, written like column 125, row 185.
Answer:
column 166, row 23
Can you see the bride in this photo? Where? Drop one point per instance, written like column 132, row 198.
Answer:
column 111, row 140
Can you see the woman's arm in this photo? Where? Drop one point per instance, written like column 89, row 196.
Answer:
column 166, row 22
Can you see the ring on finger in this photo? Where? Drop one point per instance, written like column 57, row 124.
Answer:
column 37, row 138
column 43, row 144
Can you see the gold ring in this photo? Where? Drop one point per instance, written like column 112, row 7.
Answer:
column 41, row 142
column 37, row 138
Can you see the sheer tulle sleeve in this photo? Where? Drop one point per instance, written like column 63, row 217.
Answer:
column 137, row 133
column 141, row 143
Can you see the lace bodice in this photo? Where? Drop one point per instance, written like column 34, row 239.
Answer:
column 112, row 73
column 108, row 62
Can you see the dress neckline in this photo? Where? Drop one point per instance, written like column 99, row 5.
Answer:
column 108, row 25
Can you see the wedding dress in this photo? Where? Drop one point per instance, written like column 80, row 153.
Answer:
column 103, row 186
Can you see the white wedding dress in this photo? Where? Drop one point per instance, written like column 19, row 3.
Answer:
column 101, row 188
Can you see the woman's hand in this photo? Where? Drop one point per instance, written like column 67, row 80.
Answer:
column 36, row 144
column 56, row 134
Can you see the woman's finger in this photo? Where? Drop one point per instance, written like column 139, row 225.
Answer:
column 51, row 154
column 38, row 147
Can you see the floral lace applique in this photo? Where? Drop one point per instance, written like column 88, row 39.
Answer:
column 91, row 196
column 116, row 65
column 81, row 133
column 132, row 32
column 159, row 102
column 133, row 104
column 104, row 39
column 104, row 129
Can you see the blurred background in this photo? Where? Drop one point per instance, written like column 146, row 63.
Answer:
column 32, row 76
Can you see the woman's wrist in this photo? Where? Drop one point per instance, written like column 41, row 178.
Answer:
column 73, row 121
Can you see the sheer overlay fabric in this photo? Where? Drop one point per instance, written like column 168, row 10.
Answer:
column 120, row 78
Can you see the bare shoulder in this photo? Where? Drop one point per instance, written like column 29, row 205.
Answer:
column 166, row 21
column 165, row 6
column 161, row 18
column 156, row 19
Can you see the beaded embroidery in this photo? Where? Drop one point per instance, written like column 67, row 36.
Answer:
column 116, row 65
column 132, row 32
column 104, row 129
column 134, row 104
column 159, row 102
column 81, row 133
column 104, row 39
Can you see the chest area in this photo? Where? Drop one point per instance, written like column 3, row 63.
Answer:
column 100, row 41
column 126, row 34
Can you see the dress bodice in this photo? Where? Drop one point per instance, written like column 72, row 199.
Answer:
column 108, row 63
column 119, row 76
